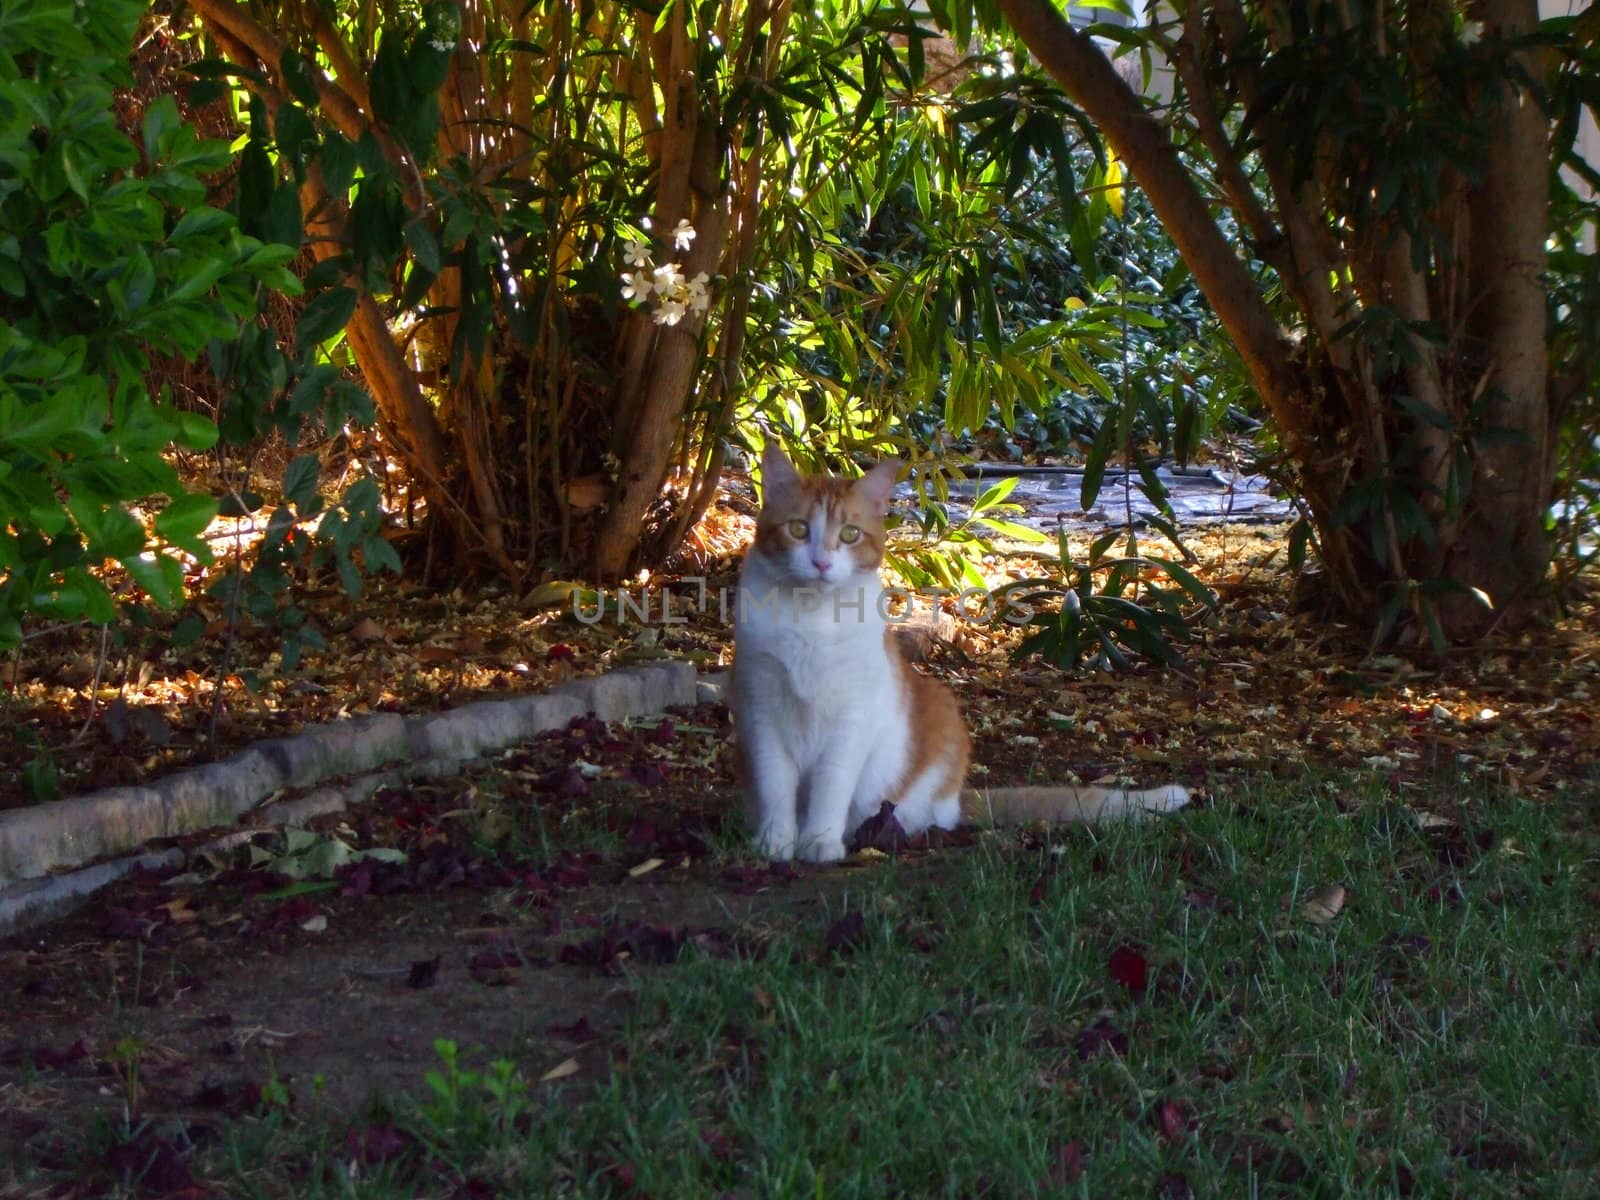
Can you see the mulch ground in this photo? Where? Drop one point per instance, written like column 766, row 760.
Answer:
column 508, row 903
column 1263, row 686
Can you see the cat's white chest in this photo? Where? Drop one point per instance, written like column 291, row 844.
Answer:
column 816, row 664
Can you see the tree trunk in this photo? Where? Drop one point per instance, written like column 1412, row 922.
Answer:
column 1503, row 548
column 1336, row 415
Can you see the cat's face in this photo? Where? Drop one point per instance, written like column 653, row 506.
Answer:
column 821, row 530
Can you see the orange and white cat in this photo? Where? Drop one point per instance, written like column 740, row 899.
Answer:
column 831, row 719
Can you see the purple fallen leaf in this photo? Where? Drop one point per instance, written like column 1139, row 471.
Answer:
column 124, row 924
column 154, row 1164
column 1129, row 967
column 570, row 871
column 495, row 968
column 46, row 1058
column 370, row 1145
column 1099, row 1038
column 1172, row 1119
column 1489, row 1154
column 620, row 1175
column 1413, row 944
column 565, row 781
column 881, row 831
column 650, row 944
column 495, row 959
column 1174, row 1185
column 578, row 1031
column 717, row 1144
column 357, row 878
column 1068, row 1166
column 648, row 772
column 236, row 1100
column 291, row 914
column 847, row 935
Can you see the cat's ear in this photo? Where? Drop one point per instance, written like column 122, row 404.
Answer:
column 777, row 472
column 877, row 485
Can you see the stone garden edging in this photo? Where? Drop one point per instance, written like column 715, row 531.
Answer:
column 44, row 848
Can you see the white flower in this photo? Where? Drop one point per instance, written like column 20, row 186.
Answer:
column 1471, row 32
column 668, row 277
column 636, row 287
column 669, row 312
column 682, row 235
column 697, row 296
column 636, row 254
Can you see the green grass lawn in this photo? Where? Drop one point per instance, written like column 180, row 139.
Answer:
column 973, row 1023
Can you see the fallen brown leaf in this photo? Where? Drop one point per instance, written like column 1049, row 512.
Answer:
column 1324, row 904
column 562, row 1070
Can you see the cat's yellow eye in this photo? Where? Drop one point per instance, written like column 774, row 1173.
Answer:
column 850, row 535
column 797, row 530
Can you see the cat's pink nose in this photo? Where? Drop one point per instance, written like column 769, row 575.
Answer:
column 821, row 564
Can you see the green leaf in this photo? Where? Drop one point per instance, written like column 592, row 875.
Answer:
column 111, row 531
column 195, row 431
column 1299, row 539
column 323, row 317
column 425, row 246
column 184, row 519
column 392, row 95
column 338, row 159
column 161, row 121
column 161, row 577
column 282, row 222
column 300, row 76
column 203, row 221
column 41, row 782
column 1196, row 590
column 1010, row 529
column 296, row 137
column 300, row 481
column 380, row 555
column 1094, row 465
column 429, row 66
column 995, row 494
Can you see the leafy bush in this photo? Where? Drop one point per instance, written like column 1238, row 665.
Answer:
column 111, row 259
column 1105, row 608
column 107, row 253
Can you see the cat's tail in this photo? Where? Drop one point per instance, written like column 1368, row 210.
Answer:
column 1027, row 805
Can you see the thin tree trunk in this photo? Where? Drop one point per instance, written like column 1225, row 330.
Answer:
column 1088, row 77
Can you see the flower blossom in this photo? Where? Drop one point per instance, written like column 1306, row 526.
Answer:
column 636, row 286
column 682, row 235
column 636, row 254
column 668, row 277
column 669, row 311
column 697, row 296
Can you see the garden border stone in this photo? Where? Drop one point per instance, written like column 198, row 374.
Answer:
column 55, row 855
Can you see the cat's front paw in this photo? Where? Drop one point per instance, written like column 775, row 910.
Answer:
column 820, row 850
column 773, row 844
